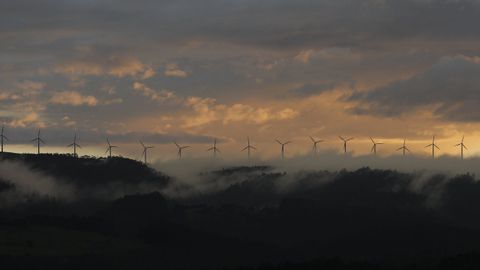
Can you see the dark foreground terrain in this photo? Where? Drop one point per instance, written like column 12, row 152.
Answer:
column 123, row 215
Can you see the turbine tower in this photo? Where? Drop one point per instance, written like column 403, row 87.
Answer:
column 345, row 141
column 374, row 147
column 249, row 147
column 283, row 147
column 109, row 148
column 214, row 149
column 39, row 141
column 462, row 147
column 433, row 145
column 74, row 145
column 315, row 142
column 145, row 150
column 3, row 138
column 404, row 148
column 180, row 148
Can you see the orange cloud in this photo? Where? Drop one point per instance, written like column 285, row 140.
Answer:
column 162, row 95
column 206, row 111
column 117, row 66
column 73, row 98
column 27, row 119
column 172, row 70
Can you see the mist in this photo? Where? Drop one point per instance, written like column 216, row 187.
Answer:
column 194, row 175
column 24, row 183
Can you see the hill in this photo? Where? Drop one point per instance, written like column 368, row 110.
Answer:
column 260, row 219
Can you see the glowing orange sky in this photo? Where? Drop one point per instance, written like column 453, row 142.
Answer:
column 278, row 69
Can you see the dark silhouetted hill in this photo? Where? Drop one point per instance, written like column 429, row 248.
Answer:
column 260, row 219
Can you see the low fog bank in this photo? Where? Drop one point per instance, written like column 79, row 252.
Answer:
column 66, row 178
column 19, row 183
column 196, row 176
column 27, row 178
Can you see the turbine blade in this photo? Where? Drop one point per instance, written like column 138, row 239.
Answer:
column 341, row 138
column 278, row 142
column 372, row 140
column 311, row 138
column 246, row 147
column 210, row 149
column 287, row 143
column 70, row 145
column 436, row 147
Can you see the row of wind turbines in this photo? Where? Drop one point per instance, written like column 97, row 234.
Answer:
column 248, row 148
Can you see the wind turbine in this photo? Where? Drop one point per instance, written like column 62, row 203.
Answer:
column 462, row 147
column 214, row 149
column 404, row 148
column 2, row 139
column 180, row 148
column 248, row 148
column 74, row 145
column 39, row 141
column 433, row 145
column 109, row 148
column 145, row 150
column 374, row 147
column 315, row 142
column 345, row 141
column 283, row 147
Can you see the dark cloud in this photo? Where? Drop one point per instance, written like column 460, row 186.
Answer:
column 274, row 24
column 309, row 89
column 450, row 87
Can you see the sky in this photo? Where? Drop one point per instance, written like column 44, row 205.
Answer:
column 191, row 71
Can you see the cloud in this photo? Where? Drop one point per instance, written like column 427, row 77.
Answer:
column 148, row 73
column 304, row 56
column 117, row 66
column 172, row 70
column 73, row 98
column 449, row 89
column 31, row 86
column 27, row 119
column 160, row 96
column 310, row 89
column 206, row 111
column 28, row 182
column 113, row 101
